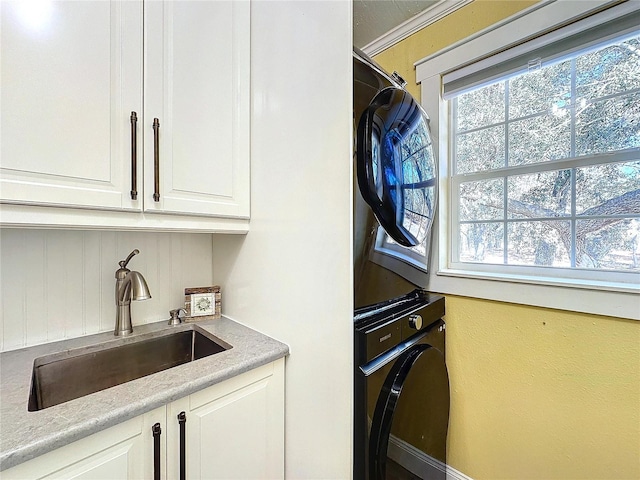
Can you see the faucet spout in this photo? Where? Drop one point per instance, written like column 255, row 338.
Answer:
column 134, row 287
column 130, row 285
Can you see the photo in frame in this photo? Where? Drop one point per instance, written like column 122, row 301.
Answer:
column 202, row 303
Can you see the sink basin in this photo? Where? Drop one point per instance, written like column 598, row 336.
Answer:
column 63, row 376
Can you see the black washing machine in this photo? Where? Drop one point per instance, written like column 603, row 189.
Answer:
column 401, row 383
column 401, row 389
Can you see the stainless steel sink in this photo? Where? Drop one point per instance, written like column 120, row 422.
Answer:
column 63, row 376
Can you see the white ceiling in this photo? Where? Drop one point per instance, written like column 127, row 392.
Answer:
column 373, row 18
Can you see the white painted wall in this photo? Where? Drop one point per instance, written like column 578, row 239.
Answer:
column 291, row 276
column 58, row 284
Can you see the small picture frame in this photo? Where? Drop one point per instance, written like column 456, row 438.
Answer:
column 202, row 303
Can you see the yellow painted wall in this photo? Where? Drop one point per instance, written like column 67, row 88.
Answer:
column 535, row 393
column 542, row 394
column 460, row 24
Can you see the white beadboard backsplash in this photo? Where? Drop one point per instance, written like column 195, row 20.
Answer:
column 59, row 284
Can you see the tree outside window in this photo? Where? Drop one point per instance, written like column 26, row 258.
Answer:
column 546, row 165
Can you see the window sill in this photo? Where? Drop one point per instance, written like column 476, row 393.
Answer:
column 544, row 280
column 589, row 297
column 599, row 298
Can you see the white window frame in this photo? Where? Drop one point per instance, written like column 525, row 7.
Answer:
column 555, row 291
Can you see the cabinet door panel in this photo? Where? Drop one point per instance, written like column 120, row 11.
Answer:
column 71, row 75
column 198, row 87
column 201, row 99
column 113, row 453
column 235, row 430
column 112, row 463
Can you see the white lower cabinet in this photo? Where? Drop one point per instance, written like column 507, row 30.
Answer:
column 114, row 453
column 232, row 430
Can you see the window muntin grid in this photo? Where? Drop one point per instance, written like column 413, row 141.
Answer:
column 546, row 165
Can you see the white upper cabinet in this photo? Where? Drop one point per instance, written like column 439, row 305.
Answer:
column 73, row 73
column 197, row 86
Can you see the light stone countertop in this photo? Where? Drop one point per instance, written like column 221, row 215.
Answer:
column 25, row 435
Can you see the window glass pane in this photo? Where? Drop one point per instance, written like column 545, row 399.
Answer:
column 480, row 150
column 539, row 243
column 482, row 200
column 587, row 105
column 615, row 69
column 481, row 107
column 611, row 189
column 615, row 247
column 608, row 125
column 540, row 139
column 540, row 90
column 481, row 242
column 540, row 195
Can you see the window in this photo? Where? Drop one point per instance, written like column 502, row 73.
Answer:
column 546, row 164
column 415, row 257
column 536, row 127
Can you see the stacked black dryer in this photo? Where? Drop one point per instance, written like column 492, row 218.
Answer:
column 401, row 382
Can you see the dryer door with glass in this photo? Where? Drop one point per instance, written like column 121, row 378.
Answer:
column 396, row 168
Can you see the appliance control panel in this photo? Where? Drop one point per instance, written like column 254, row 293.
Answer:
column 382, row 327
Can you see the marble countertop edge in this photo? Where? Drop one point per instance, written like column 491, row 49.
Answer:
column 37, row 433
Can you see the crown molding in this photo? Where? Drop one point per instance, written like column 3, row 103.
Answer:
column 411, row 26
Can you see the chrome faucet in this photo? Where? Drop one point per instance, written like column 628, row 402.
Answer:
column 129, row 286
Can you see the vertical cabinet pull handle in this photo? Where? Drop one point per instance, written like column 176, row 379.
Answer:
column 182, row 420
column 156, row 450
column 134, row 155
column 156, row 160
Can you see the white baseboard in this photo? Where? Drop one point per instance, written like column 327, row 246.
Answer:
column 421, row 464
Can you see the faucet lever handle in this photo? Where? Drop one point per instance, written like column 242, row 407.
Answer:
column 123, row 263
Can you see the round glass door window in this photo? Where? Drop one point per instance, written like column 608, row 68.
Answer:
column 396, row 168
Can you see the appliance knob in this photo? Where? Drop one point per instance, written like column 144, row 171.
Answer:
column 415, row 321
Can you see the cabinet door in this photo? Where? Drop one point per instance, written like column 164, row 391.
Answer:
column 234, row 430
column 70, row 77
column 112, row 453
column 197, row 57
